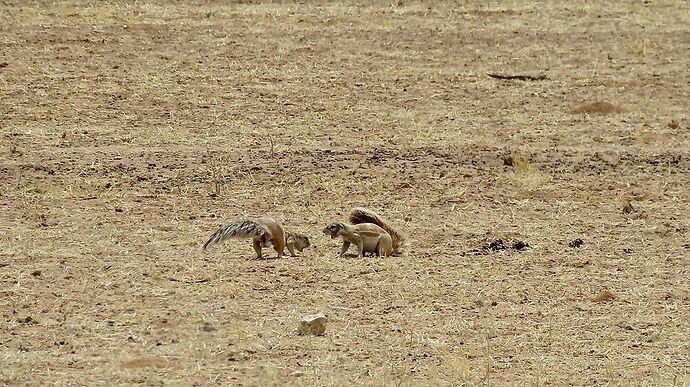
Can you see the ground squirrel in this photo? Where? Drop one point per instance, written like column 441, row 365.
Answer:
column 369, row 232
column 264, row 233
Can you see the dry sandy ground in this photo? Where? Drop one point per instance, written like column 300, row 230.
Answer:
column 131, row 131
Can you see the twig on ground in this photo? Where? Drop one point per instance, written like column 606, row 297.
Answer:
column 539, row 77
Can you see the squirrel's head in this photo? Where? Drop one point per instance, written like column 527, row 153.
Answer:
column 334, row 229
column 301, row 241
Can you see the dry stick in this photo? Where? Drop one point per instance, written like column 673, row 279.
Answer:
column 178, row 180
column 199, row 281
column 215, row 176
column 519, row 77
column 488, row 362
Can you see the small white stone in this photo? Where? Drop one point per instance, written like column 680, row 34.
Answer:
column 313, row 324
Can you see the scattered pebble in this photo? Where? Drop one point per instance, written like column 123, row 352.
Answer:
column 604, row 297
column 207, row 327
column 313, row 324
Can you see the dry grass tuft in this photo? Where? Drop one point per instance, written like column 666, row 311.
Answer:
column 145, row 362
column 597, row 107
column 641, row 47
column 525, row 174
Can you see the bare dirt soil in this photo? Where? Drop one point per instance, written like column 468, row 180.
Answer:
column 548, row 214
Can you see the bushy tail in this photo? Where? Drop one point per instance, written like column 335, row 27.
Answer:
column 238, row 229
column 364, row 215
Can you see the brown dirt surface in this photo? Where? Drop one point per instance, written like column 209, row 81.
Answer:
column 131, row 130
